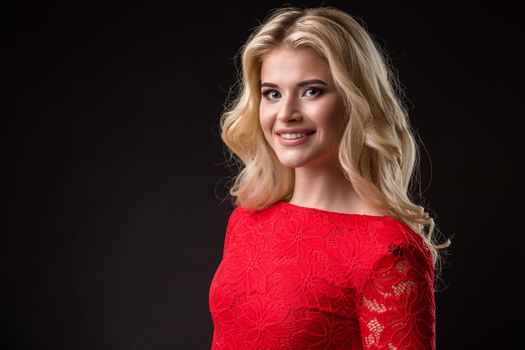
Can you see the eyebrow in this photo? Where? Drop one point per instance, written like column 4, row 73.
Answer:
column 302, row 83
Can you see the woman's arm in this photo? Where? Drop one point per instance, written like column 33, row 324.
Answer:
column 396, row 307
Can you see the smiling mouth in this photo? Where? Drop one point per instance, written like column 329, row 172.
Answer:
column 295, row 138
column 307, row 134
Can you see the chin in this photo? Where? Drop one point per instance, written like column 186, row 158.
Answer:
column 293, row 163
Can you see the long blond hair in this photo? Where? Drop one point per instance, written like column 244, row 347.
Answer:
column 377, row 152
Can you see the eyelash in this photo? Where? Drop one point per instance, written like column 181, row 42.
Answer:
column 265, row 93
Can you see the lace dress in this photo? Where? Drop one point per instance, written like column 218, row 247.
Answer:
column 293, row 277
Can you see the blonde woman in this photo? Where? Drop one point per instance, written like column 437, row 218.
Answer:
column 324, row 248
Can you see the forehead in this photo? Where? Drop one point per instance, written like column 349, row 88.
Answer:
column 294, row 64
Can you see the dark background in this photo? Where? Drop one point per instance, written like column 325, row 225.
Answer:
column 117, row 208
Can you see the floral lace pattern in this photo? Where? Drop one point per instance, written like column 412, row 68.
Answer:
column 294, row 277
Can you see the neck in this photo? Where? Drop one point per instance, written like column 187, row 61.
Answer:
column 325, row 187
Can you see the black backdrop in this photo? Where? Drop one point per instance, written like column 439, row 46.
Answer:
column 116, row 211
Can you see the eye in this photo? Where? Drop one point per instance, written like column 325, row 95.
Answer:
column 271, row 94
column 313, row 91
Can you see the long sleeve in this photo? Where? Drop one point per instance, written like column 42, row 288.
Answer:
column 396, row 307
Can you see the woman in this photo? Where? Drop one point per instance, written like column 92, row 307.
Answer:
column 324, row 249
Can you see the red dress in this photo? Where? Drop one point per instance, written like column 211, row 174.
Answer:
column 293, row 277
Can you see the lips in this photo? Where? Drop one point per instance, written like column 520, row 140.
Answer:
column 292, row 142
column 295, row 131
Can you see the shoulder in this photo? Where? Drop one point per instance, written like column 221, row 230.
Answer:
column 394, row 246
column 242, row 221
column 246, row 218
column 392, row 238
column 236, row 215
column 240, row 212
column 387, row 232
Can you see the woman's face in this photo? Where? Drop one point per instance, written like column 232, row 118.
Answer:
column 301, row 113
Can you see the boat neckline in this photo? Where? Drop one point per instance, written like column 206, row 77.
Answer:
column 330, row 212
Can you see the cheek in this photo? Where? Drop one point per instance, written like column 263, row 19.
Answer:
column 330, row 120
column 322, row 116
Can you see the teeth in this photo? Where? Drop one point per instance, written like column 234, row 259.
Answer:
column 292, row 136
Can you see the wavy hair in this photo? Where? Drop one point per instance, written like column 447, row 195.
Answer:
column 377, row 151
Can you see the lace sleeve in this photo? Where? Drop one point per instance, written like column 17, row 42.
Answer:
column 396, row 307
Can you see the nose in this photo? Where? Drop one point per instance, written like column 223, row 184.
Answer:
column 289, row 109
